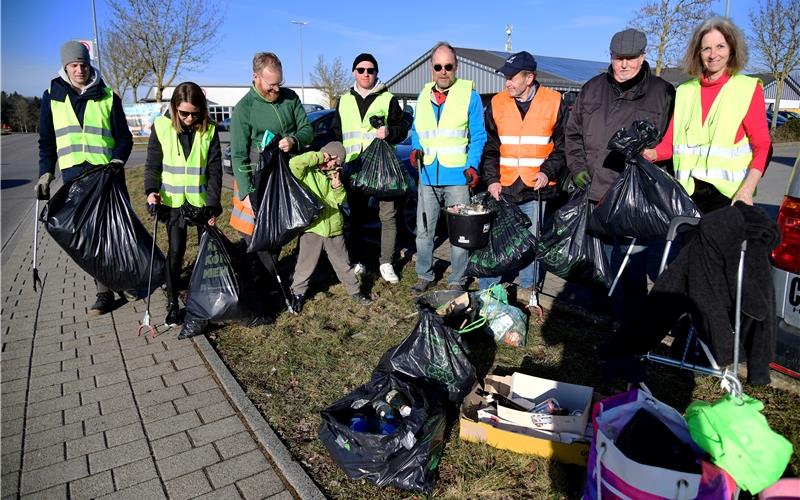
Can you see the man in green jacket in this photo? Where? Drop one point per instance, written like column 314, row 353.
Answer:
column 319, row 173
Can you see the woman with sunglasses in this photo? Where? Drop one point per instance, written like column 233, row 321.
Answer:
column 718, row 138
column 183, row 177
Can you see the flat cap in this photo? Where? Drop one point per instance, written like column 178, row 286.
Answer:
column 629, row 42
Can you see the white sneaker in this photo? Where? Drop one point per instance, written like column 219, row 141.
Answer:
column 387, row 273
column 358, row 268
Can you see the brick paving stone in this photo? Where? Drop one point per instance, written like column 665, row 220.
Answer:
column 134, row 473
column 80, row 385
column 111, row 378
column 216, row 430
column 13, row 398
column 19, row 384
column 283, row 495
column 76, row 363
column 86, row 445
column 151, row 490
column 124, row 434
column 142, row 362
column 14, row 426
column 10, row 484
column 59, row 491
column 148, row 385
column 36, row 459
column 150, row 371
column 10, row 461
column 186, row 462
column 158, row 412
column 53, row 379
column 91, row 486
column 34, row 441
column 99, row 366
column 45, row 422
column 156, row 397
column 107, row 392
column 235, row 445
column 114, row 405
column 38, row 371
column 200, row 385
column 188, row 362
column 236, row 468
column 85, row 412
column 119, row 455
column 177, row 353
column 227, row 493
column 199, row 400
column 144, row 350
column 51, row 405
column 170, row 445
column 52, row 475
column 53, row 357
column 186, row 375
column 188, row 486
column 171, row 425
column 215, row 412
column 44, row 394
column 261, row 485
column 111, row 421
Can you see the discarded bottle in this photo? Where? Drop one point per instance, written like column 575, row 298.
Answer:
column 397, row 401
column 359, row 423
column 382, row 408
column 388, row 425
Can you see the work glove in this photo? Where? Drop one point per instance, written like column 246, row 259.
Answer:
column 582, row 179
column 472, row 177
column 416, row 158
column 117, row 164
column 42, row 188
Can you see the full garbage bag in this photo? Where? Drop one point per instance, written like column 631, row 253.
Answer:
column 508, row 324
column 222, row 289
column 566, row 250
column 92, row 219
column 511, row 246
column 644, row 198
column 284, row 207
column 434, row 356
column 377, row 172
column 405, row 455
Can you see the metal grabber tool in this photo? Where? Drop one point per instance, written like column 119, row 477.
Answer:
column 35, row 244
column 146, row 324
column 533, row 302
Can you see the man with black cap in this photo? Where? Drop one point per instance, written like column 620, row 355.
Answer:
column 628, row 91
column 357, row 114
column 81, row 124
column 524, row 152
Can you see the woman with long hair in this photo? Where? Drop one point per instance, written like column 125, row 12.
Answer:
column 718, row 138
column 183, row 177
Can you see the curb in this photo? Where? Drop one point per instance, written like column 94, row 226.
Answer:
column 291, row 469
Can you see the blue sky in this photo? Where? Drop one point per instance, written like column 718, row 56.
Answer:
column 33, row 30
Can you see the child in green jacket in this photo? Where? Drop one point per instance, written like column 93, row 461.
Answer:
column 319, row 172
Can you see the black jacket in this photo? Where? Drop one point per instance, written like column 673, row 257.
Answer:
column 555, row 166
column 60, row 90
column 154, row 165
column 395, row 122
column 602, row 108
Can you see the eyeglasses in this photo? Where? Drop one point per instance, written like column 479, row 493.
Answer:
column 370, row 71
column 447, row 67
column 187, row 114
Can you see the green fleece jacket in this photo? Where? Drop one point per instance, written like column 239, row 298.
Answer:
column 330, row 221
column 252, row 116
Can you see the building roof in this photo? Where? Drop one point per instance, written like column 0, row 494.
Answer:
column 479, row 65
column 791, row 88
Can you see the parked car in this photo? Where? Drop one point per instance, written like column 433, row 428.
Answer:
column 778, row 122
column 789, row 115
column 310, row 108
column 225, row 124
column 786, row 279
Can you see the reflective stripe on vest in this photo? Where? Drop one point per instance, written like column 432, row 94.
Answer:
column 357, row 133
column 243, row 219
column 525, row 144
column 707, row 151
column 447, row 139
column 183, row 179
column 91, row 143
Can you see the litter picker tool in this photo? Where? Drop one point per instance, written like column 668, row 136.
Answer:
column 146, row 321
column 533, row 302
column 280, row 285
column 35, row 244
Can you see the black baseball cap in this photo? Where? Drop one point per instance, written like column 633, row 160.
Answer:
column 521, row 61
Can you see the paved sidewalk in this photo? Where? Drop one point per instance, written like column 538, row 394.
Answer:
column 90, row 410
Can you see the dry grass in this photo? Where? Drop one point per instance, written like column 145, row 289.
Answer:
column 296, row 367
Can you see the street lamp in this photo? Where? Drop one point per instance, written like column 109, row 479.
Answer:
column 300, row 25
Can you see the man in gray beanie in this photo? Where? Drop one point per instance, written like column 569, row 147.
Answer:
column 79, row 100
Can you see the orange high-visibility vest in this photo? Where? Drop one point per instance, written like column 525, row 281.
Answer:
column 242, row 218
column 525, row 144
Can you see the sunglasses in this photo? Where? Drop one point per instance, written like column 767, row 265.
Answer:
column 370, row 71
column 187, row 114
column 447, row 67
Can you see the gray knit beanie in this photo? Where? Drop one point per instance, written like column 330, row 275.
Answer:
column 73, row 51
column 334, row 148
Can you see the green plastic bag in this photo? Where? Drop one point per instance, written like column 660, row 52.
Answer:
column 508, row 324
column 739, row 440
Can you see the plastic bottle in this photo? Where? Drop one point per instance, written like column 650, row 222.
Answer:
column 388, row 425
column 359, row 423
column 382, row 408
column 397, row 401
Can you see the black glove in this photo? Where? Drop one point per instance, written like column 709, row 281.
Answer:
column 117, row 164
column 377, row 121
column 472, row 177
column 152, row 209
column 42, row 188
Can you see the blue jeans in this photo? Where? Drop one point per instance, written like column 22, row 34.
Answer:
column 532, row 275
column 430, row 201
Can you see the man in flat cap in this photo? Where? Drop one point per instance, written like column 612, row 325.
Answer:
column 81, row 124
column 355, row 127
column 524, row 152
column 628, row 91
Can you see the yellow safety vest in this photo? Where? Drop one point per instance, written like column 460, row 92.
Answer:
column 357, row 133
column 448, row 138
column 183, row 179
column 707, row 151
column 92, row 143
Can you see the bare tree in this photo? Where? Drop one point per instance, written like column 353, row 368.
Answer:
column 123, row 67
column 333, row 80
column 775, row 40
column 667, row 24
column 169, row 35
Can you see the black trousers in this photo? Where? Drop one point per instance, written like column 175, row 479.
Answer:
column 177, row 230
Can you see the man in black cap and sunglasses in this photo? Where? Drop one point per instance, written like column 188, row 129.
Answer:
column 357, row 123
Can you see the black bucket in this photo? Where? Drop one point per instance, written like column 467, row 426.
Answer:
column 469, row 231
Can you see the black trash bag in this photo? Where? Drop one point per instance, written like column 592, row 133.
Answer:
column 283, row 207
column 511, row 246
column 92, row 219
column 221, row 288
column 407, row 458
column 644, row 198
column 377, row 172
column 566, row 250
column 434, row 356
